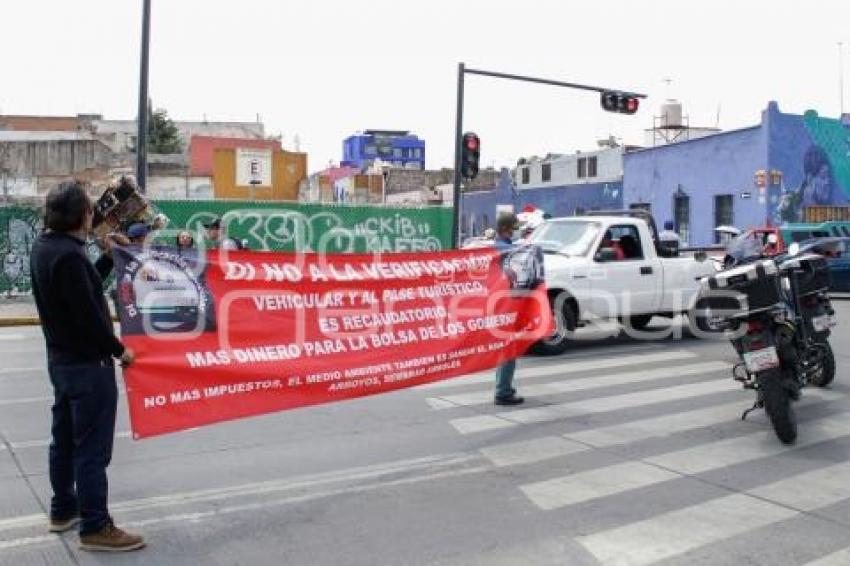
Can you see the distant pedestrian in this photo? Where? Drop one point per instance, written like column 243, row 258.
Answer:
column 185, row 240
column 505, row 392
column 81, row 347
column 668, row 238
column 138, row 232
column 218, row 238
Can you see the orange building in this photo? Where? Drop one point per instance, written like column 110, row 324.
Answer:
column 258, row 173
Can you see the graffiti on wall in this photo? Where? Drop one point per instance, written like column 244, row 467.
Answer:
column 264, row 226
column 825, row 170
column 333, row 229
column 19, row 227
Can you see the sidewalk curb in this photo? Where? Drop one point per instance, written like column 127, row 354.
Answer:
column 19, row 321
column 10, row 321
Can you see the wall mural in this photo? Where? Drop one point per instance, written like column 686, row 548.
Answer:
column 264, row 226
column 825, row 172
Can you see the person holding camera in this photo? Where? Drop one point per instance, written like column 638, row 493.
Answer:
column 81, row 349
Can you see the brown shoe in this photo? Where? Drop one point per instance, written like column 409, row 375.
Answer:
column 111, row 539
column 62, row 525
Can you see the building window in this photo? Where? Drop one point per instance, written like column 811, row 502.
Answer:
column 397, row 152
column 723, row 213
column 579, row 211
column 547, row 172
column 526, row 175
column 371, row 150
column 682, row 216
column 591, row 166
column 582, row 167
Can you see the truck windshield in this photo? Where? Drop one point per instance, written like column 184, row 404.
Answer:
column 571, row 237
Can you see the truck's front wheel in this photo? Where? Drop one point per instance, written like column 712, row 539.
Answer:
column 565, row 317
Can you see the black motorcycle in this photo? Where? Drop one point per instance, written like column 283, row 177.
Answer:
column 778, row 317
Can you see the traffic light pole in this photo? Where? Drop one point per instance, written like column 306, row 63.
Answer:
column 142, row 132
column 462, row 71
column 458, row 133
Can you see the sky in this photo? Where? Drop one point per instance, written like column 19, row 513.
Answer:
column 324, row 69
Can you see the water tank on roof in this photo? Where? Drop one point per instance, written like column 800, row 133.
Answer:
column 671, row 114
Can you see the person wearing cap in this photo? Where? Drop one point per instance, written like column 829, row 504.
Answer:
column 668, row 238
column 216, row 236
column 505, row 393
column 137, row 232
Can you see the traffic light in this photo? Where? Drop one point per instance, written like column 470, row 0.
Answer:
column 621, row 102
column 471, row 152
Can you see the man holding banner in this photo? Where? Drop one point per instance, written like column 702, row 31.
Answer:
column 81, row 346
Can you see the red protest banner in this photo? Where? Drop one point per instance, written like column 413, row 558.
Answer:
column 220, row 337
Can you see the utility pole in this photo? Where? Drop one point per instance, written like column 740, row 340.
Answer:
column 612, row 100
column 142, row 132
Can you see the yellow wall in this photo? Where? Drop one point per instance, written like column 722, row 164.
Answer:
column 288, row 170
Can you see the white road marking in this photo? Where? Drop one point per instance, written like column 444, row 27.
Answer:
column 840, row 558
column 565, row 367
column 582, row 384
column 667, row 425
column 762, row 444
column 830, row 485
column 528, row 451
column 467, row 425
column 677, row 532
column 480, row 423
column 426, row 465
column 683, row 530
column 12, row 337
column 593, row 484
column 15, row 371
column 46, row 442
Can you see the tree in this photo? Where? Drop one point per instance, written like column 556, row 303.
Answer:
column 163, row 135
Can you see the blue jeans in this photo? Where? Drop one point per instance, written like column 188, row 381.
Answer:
column 84, row 408
column 505, row 379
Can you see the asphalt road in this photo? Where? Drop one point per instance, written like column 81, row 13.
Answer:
column 627, row 452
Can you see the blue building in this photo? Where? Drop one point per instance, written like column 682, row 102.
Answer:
column 764, row 174
column 397, row 147
column 560, row 185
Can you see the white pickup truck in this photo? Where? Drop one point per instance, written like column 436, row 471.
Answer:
column 612, row 267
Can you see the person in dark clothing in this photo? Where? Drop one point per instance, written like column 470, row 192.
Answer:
column 81, row 347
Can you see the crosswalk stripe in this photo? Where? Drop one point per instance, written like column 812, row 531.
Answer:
column 762, row 444
column 677, row 532
column 830, row 483
column 564, row 367
column 528, row 451
column 549, row 447
column 593, row 484
column 674, row 533
column 567, row 490
column 480, row 423
column 840, row 558
column 666, row 425
column 581, row 384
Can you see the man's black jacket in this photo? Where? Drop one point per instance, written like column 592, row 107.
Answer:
column 68, row 292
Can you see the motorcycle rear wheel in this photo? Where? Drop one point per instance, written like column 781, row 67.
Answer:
column 777, row 405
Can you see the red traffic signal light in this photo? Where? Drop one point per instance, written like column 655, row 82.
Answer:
column 620, row 102
column 471, row 152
